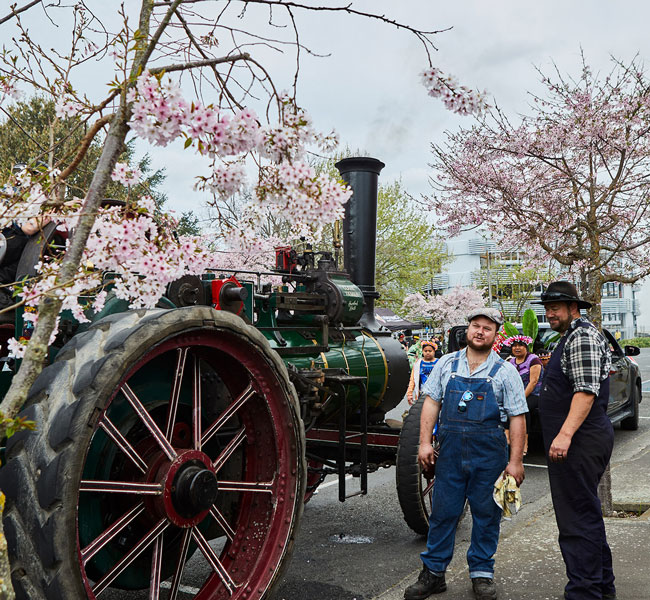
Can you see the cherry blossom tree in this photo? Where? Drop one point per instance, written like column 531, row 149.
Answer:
column 147, row 54
column 445, row 310
column 567, row 182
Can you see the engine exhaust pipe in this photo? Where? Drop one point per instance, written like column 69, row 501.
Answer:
column 360, row 229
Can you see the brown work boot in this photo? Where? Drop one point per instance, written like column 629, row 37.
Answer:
column 427, row 584
column 484, row 588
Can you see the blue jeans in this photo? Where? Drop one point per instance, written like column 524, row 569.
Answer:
column 472, row 456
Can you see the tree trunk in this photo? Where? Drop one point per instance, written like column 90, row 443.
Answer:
column 605, row 493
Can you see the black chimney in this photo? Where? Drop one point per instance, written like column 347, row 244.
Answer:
column 360, row 228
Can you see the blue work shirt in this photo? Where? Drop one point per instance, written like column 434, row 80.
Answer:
column 507, row 384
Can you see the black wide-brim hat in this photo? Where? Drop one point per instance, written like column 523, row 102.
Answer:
column 562, row 291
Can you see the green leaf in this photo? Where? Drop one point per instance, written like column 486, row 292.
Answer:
column 529, row 323
column 510, row 329
column 188, row 142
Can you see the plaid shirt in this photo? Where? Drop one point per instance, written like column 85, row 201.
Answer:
column 586, row 359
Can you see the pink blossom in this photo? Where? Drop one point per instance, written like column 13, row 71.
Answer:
column 15, row 348
column 126, row 175
column 65, row 108
column 457, row 98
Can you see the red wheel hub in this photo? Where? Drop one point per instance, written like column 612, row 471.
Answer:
column 189, row 488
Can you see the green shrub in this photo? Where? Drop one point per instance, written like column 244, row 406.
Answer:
column 641, row 342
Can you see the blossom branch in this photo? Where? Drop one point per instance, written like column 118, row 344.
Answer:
column 85, row 144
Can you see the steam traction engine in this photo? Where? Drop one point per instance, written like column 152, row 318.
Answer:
column 174, row 448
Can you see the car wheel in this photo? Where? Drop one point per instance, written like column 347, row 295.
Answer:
column 631, row 423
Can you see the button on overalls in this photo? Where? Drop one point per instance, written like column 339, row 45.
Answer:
column 574, row 482
column 473, row 453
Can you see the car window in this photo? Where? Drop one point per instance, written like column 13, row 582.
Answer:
column 613, row 344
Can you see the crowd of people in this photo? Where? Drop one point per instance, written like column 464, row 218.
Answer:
column 471, row 397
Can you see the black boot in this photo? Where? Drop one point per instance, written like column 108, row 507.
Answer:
column 484, row 588
column 427, row 584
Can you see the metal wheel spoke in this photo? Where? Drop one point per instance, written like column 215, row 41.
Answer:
column 428, row 488
column 131, row 556
column 104, row 538
column 219, row 518
column 149, row 423
column 196, row 404
column 246, row 486
column 120, row 487
column 229, row 449
column 122, row 443
column 156, row 569
column 246, row 395
column 176, row 391
column 182, row 557
column 214, row 561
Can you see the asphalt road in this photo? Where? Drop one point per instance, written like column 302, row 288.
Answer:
column 361, row 548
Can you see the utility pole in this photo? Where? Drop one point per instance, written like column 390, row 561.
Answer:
column 489, row 274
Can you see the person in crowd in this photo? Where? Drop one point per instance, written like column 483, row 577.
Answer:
column 414, row 351
column 15, row 238
column 578, row 439
column 438, row 342
column 470, row 393
column 421, row 370
column 530, row 370
column 402, row 341
column 544, row 356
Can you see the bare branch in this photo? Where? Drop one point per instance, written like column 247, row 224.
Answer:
column 16, row 11
column 85, row 144
column 209, row 62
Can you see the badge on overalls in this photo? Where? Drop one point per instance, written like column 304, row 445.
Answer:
column 464, row 399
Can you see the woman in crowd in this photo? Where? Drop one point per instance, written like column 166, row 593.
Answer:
column 530, row 371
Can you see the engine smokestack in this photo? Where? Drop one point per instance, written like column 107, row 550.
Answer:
column 360, row 228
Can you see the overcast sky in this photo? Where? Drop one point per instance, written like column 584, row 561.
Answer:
column 368, row 89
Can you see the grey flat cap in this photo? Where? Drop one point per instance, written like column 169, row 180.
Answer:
column 491, row 313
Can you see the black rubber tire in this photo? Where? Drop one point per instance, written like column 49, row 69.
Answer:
column 43, row 467
column 631, row 423
column 408, row 473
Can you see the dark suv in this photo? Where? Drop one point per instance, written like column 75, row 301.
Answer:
column 624, row 376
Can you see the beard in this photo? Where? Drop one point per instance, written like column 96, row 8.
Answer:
column 560, row 325
column 482, row 345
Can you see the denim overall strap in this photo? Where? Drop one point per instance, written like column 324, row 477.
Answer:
column 495, row 368
column 454, row 364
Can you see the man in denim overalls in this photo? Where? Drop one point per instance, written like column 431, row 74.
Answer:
column 473, row 392
column 578, row 438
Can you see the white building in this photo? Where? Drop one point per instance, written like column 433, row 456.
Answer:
column 477, row 261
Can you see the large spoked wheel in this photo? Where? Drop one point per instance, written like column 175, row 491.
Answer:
column 168, row 462
column 414, row 486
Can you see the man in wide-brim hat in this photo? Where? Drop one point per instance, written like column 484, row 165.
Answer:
column 578, row 438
